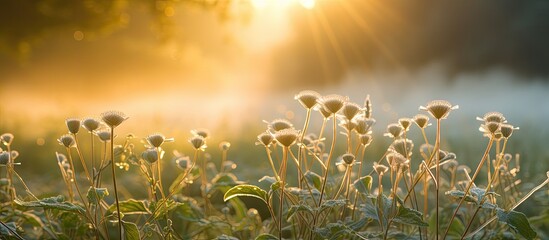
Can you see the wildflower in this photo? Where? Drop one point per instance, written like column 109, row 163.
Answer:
column 14, row 154
column 380, row 168
column 492, row 117
column 198, row 142
column 90, row 124
column 348, row 125
column 421, row 120
column 325, row 113
column 367, row 107
column 396, row 159
column 200, row 132
column 4, row 158
column 332, row 103
column 113, row 118
column 489, row 127
column 363, row 125
column 61, row 158
column 507, row 130
column 365, row 139
column 104, row 135
column 394, row 130
column 308, row 98
column 224, row 146
column 348, row 158
column 403, row 147
column 439, row 109
column 66, row 140
column 350, row 110
column 150, row 155
column 73, row 125
column 265, row 139
column 183, row 162
column 405, row 123
column 157, row 139
column 279, row 124
column 286, row 137
column 7, row 138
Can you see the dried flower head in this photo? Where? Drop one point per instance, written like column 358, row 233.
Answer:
column 307, row 98
column 332, row 103
column 66, row 140
column 403, row 147
column 348, row 125
column 490, row 127
column 279, row 124
column 380, row 168
column 183, row 162
column 507, row 130
column 14, row 154
column 198, row 142
column 439, row 109
column 201, row 132
column 104, row 135
column 348, row 158
column 396, row 159
column 325, row 113
column 405, row 123
column 394, row 130
column 365, row 139
column 286, row 137
column 7, row 138
column 421, row 120
column 363, row 125
column 224, row 146
column 73, row 125
column 4, row 158
column 157, row 139
column 265, row 139
column 150, row 155
column 90, row 124
column 350, row 110
column 61, row 158
column 367, row 107
column 113, row 118
column 492, row 117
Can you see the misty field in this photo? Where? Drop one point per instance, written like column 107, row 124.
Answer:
column 309, row 181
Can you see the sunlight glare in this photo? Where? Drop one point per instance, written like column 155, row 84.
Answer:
column 308, row 4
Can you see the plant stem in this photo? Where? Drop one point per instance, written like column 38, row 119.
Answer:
column 283, row 183
column 82, row 160
column 114, row 183
column 437, row 162
column 323, row 188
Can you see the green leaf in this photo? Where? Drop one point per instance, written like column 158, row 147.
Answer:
column 459, row 194
column 52, row 203
column 313, row 179
column 130, row 231
column 95, row 195
column 298, row 208
column 5, row 231
column 225, row 237
column 246, row 191
column 188, row 209
column 410, row 216
column 517, row 221
column 363, row 185
column 329, row 204
column 130, row 206
column 266, row 236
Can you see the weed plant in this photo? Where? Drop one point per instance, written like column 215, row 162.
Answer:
column 412, row 191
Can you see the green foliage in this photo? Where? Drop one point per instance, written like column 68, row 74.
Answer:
column 52, row 203
column 517, row 221
column 246, row 191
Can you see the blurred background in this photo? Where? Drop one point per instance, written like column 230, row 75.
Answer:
column 226, row 65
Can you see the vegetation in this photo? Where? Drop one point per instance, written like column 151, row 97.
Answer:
column 408, row 193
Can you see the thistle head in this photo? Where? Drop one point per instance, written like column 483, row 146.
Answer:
column 279, row 124
column 4, row 158
column 405, row 123
column 396, row 159
column 363, row 125
column 183, row 162
column 332, row 103
column 350, row 110
column 73, row 125
column 224, row 146
column 66, row 140
column 380, row 169
column 365, row 139
column 439, row 109
column 265, row 139
column 490, row 128
column 198, row 142
column 286, row 137
column 403, row 147
column 7, row 138
column 394, row 130
column 307, row 98
column 113, row 118
column 507, row 130
column 150, row 155
column 421, row 120
column 325, row 113
column 157, row 139
column 492, row 117
column 104, row 135
column 348, row 158
column 90, row 124
column 201, row 132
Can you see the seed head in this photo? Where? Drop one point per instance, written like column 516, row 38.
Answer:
column 365, row 139
column 157, row 139
column 104, row 135
column 150, row 155
column 439, row 109
column 363, row 125
column 4, row 158
column 265, row 139
column 90, row 124
column 7, row 138
column 286, row 137
column 113, row 118
column 307, row 98
column 396, row 159
column 394, row 130
column 380, row 168
column 224, row 146
column 492, row 117
column 61, row 158
column 279, row 124
column 421, row 120
column 367, row 107
column 490, row 127
column 405, row 123
column 73, row 125
column 14, row 154
column 66, row 140
column 348, row 158
column 332, row 103
column 198, row 142
column 403, row 147
column 183, row 162
column 325, row 113
column 201, row 132
column 507, row 130
column 350, row 110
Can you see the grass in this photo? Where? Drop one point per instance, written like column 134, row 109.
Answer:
column 324, row 183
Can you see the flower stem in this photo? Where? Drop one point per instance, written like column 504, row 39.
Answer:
column 114, row 183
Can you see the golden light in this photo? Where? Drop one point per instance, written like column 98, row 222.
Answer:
column 308, row 4
column 264, row 4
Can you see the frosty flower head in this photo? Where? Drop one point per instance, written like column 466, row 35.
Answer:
column 157, row 139
column 4, row 158
column 380, row 168
column 332, row 103
column 396, row 159
column 348, row 158
column 367, row 107
column 403, row 147
column 421, row 120
column 66, row 140
column 286, row 137
column 104, row 135
column 90, row 124
column 201, row 132
column 73, row 125
column 265, row 139
column 439, row 109
column 279, row 124
column 365, row 139
column 405, row 123
column 183, row 162
column 363, row 125
column 113, row 118
column 61, row 158
column 198, row 142
column 150, row 155
column 492, row 117
column 350, row 110
column 224, row 146
column 490, row 127
column 348, row 125
column 7, row 138
column 307, row 98
column 394, row 130
column 507, row 130
column 325, row 113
